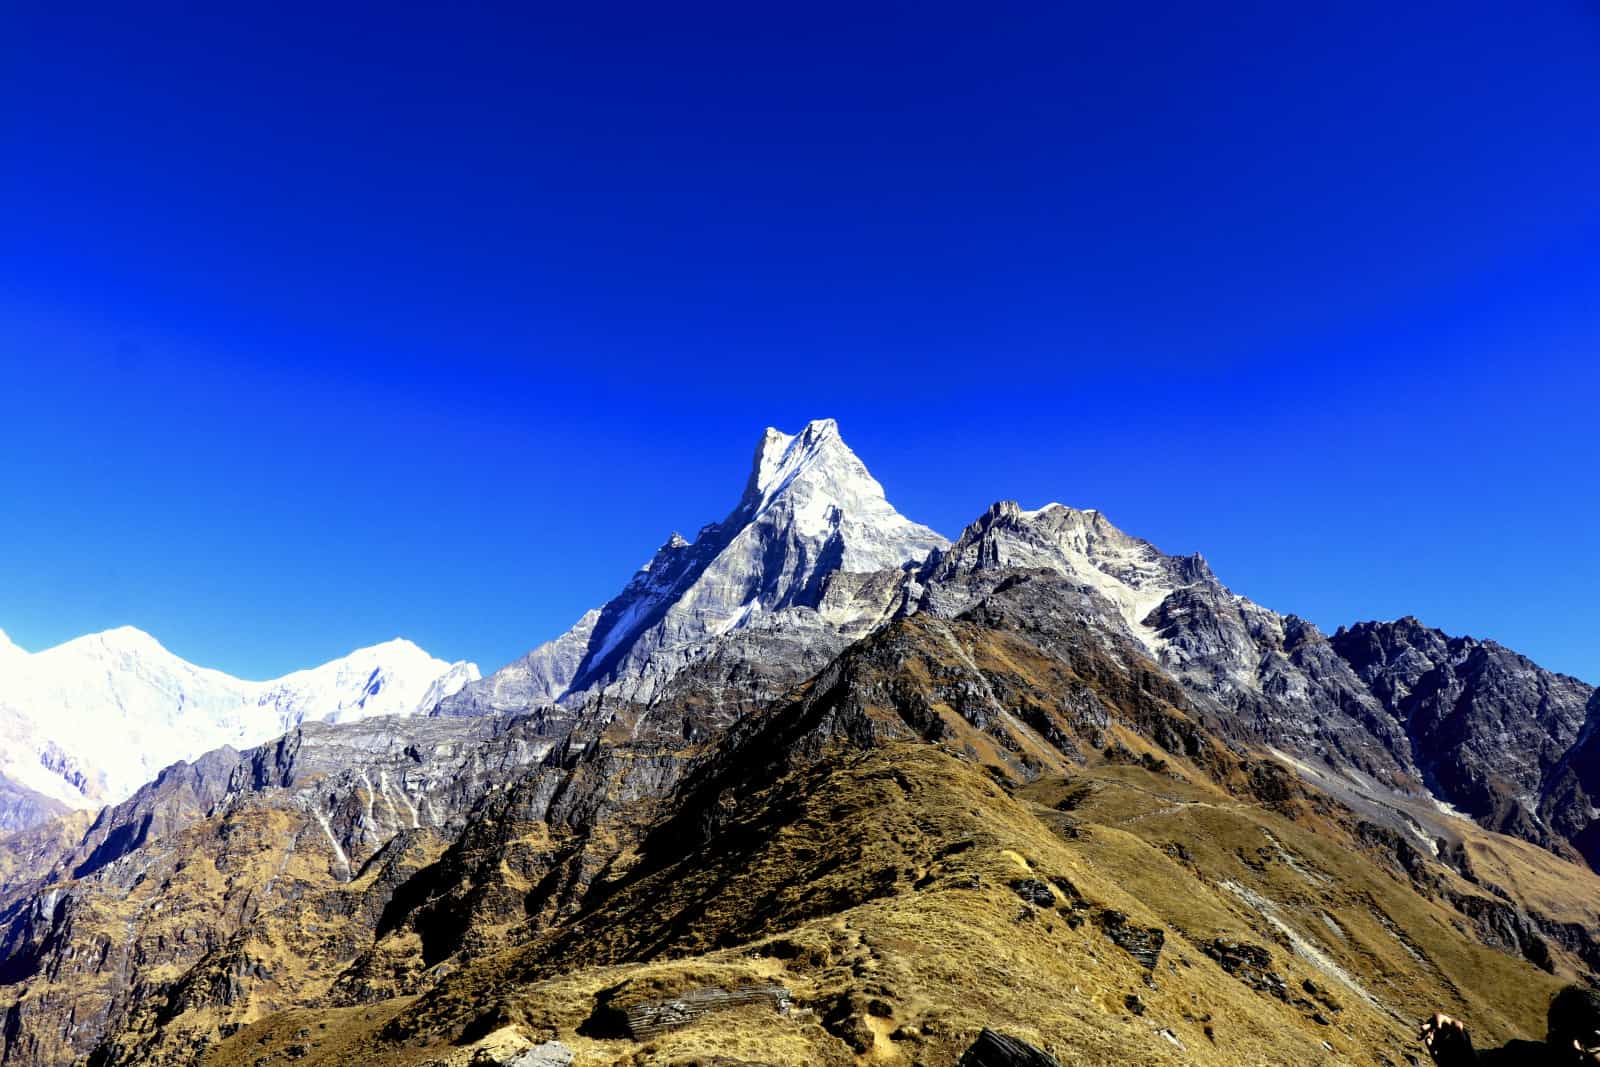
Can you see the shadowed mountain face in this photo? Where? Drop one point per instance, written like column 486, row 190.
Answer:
column 1490, row 729
column 1570, row 796
column 1045, row 780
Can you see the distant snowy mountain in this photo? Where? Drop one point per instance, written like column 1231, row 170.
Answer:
column 89, row 721
column 810, row 513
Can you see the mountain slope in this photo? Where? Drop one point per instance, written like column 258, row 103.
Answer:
column 88, row 721
column 21, row 807
column 1011, row 783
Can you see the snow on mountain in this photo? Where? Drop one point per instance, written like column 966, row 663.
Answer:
column 1132, row 574
column 810, row 511
column 813, row 485
column 89, row 721
column 1244, row 662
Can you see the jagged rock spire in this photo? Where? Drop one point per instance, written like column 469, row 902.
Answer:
column 810, row 509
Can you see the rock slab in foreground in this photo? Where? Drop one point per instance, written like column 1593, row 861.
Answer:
column 998, row 1050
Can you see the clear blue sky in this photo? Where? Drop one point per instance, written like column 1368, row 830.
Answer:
column 319, row 327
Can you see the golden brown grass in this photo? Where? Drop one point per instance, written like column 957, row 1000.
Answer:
column 912, row 939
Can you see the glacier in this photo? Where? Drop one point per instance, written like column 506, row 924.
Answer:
column 87, row 722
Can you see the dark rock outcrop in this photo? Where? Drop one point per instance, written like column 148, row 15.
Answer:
column 992, row 1049
column 1143, row 943
column 1493, row 733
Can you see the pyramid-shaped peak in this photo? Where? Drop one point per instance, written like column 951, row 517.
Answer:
column 810, row 510
column 813, row 486
column 780, row 457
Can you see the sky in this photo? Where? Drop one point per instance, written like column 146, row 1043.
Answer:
column 321, row 325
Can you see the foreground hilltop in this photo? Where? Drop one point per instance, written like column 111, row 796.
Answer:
column 821, row 787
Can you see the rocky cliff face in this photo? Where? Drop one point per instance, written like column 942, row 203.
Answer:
column 1488, row 727
column 194, row 896
column 1570, row 797
column 1132, row 576
column 21, row 807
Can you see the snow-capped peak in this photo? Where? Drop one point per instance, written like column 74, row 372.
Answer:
column 810, row 509
column 820, row 488
column 90, row 720
column 780, row 456
column 815, row 451
column 122, row 639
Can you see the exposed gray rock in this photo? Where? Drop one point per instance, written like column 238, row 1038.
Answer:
column 1571, row 793
column 1034, row 892
column 1250, row 964
column 1143, row 943
column 536, row 679
column 1491, row 730
column 1262, row 676
column 649, row 1018
column 619, row 1012
column 1130, row 576
column 549, row 1054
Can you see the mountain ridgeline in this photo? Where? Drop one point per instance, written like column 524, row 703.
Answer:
column 87, row 722
column 821, row 786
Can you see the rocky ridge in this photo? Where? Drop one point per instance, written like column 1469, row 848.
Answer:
column 919, row 794
column 1493, row 731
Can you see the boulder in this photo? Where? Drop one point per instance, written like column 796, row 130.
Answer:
column 997, row 1050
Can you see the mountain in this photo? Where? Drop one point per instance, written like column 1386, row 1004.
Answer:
column 810, row 517
column 1004, row 818
column 1256, row 675
column 814, row 557
column 1491, row 729
column 822, row 788
column 87, row 722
